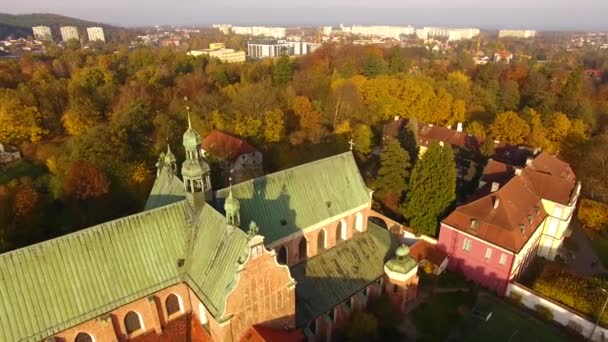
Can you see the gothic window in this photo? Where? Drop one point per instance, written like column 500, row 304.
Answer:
column 321, row 241
column 341, row 231
column 132, row 322
column 303, row 249
column 172, row 303
column 83, row 337
column 282, row 255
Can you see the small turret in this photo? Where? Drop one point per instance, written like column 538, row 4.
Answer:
column 401, row 273
column 170, row 160
column 195, row 171
column 232, row 208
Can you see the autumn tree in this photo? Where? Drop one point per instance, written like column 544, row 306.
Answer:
column 363, row 139
column 477, row 129
column 393, row 175
column 486, row 148
column 508, row 127
column 593, row 214
column 18, row 122
column 274, row 125
column 85, row 181
column 310, row 120
column 432, row 189
column 283, row 71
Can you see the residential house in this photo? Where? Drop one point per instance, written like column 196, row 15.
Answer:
column 239, row 159
column 516, row 214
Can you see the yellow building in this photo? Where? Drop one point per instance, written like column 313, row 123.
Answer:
column 219, row 51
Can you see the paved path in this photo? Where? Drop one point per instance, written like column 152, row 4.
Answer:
column 585, row 255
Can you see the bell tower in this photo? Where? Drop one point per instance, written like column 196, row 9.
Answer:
column 232, row 207
column 195, row 171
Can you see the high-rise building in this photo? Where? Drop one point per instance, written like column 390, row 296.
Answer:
column 516, row 33
column 274, row 32
column 68, row 32
column 450, row 34
column 269, row 48
column 42, row 33
column 96, row 34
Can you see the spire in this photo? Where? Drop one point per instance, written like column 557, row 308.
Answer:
column 189, row 121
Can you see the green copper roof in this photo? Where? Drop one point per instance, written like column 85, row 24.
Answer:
column 402, row 262
column 284, row 202
column 169, row 156
column 167, row 189
column 335, row 275
column 51, row 286
column 191, row 138
column 48, row 287
column 217, row 252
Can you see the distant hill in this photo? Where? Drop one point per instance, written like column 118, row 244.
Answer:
column 20, row 25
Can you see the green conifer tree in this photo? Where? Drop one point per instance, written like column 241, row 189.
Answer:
column 283, row 71
column 432, row 189
column 394, row 172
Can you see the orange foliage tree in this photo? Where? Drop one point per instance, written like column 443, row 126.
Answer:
column 85, row 181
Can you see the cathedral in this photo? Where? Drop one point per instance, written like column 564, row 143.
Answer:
column 291, row 253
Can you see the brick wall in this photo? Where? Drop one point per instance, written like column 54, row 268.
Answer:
column 264, row 294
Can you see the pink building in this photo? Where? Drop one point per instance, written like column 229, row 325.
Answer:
column 493, row 237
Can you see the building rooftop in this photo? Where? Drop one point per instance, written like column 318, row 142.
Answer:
column 225, row 146
column 329, row 278
column 424, row 250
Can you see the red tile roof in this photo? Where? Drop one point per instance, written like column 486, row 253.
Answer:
column 517, row 215
column 430, row 133
column 258, row 333
column 225, row 146
column 519, row 200
column 424, row 250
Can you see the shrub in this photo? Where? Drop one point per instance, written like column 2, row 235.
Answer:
column 544, row 312
column 516, row 298
column 592, row 214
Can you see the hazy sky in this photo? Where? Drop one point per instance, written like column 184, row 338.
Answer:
column 538, row 14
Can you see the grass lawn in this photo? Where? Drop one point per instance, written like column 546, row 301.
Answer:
column 18, row 169
column 435, row 318
column 600, row 245
column 509, row 323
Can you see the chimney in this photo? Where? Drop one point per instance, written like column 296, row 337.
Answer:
column 396, row 118
column 441, row 143
column 459, row 127
column 495, row 186
column 517, row 171
column 495, row 202
column 449, row 127
column 529, row 161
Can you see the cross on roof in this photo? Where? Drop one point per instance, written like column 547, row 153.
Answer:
column 351, row 143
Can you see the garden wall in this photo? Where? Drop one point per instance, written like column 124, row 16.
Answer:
column 559, row 313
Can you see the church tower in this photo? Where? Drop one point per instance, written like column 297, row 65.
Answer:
column 195, row 171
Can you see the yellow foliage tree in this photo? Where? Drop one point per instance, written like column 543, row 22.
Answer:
column 593, row 214
column 19, row 122
column 139, row 173
column 508, row 127
column 343, row 127
column 274, row 125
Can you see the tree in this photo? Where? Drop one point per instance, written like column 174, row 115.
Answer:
column 26, row 198
column 274, row 125
column 374, row 66
column 508, row 127
column 85, row 181
column 593, row 214
column 432, row 189
column 310, row 120
column 18, row 122
column 477, row 129
column 487, row 148
column 397, row 62
column 362, row 137
column 283, row 71
column 509, row 95
column 393, row 175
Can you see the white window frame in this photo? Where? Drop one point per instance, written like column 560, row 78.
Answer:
column 488, row 254
column 466, row 245
column 503, row 259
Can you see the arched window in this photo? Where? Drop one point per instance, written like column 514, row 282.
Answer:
column 83, row 337
column 202, row 312
column 282, row 255
column 321, row 241
column 341, row 231
column 359, row 222
column 173, row 304
column 303, row 249
column 133, row 322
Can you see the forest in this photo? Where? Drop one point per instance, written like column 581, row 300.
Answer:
column 91, row 123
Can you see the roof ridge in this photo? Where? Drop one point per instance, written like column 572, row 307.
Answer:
column 314, row 162
column 90, row 228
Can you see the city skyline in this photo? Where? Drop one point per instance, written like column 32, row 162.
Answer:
column 541, row 14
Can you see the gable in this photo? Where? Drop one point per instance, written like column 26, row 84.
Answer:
column 288, row 201
column 167, row 189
